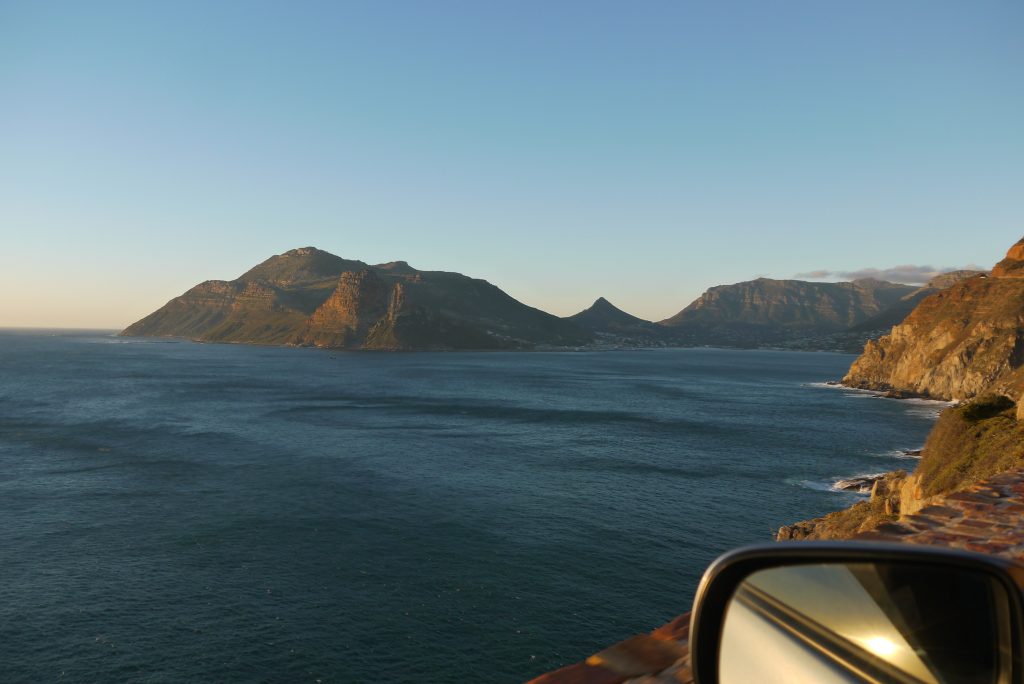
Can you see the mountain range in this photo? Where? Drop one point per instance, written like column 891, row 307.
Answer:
column 309, row 297
column 313, row 298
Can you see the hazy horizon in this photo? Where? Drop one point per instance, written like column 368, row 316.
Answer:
column 926, row 272
column 563, row 153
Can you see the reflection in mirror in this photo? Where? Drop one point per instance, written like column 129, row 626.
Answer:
column 866, row 622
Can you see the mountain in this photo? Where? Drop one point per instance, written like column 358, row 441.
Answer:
column 766, row 311
column 961, row 342
column 310, row 297
column 895, row 314
column 607, row 321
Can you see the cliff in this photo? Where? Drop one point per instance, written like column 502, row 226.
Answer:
column 310, row 297
column 958, row 343
column 963, row 343
column 766, row 311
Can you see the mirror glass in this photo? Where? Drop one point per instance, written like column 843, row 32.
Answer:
column 866, row 622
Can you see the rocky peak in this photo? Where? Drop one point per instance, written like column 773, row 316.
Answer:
column 944, row 280
column 303, row 251
column 397, row 267
column 300, row 267
column 1013, row 265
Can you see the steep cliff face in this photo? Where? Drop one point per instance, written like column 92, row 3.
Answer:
column 358, row 302
column 766, row 310
column 959, row 343
column 964, row 343
column 310, row 297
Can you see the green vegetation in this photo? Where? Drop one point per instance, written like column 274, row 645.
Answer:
column 986, row 407
column 970, row 443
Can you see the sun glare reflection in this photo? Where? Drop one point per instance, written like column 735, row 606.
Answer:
column 881, row 646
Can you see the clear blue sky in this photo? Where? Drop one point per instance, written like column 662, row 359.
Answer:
column 642, row 151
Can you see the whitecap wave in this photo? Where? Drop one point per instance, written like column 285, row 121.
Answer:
column 861, row 483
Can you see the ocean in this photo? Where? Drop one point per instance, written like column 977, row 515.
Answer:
column 174, row 511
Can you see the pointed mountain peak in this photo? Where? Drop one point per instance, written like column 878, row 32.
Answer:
column 606, row 312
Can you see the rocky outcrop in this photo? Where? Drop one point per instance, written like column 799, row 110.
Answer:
column 883, row 505
column 969, row 443
column 310, row 297
column 958, row 343
column 1013, row 265
column 357, row 303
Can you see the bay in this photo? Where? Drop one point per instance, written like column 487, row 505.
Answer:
column 175, row 511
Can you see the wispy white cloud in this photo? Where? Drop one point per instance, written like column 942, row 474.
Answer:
column 905, row 273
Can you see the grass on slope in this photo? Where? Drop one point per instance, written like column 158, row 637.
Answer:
column 970, row 443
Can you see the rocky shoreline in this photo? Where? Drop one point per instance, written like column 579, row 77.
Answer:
column 964, row 346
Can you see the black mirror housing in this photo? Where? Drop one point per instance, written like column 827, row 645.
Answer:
column 824, row 602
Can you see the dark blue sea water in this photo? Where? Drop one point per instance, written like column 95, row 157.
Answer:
column 175, row 512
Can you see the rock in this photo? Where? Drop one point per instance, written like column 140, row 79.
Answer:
column 358, row 302
column 862, row 484
column 957, row 344
column 1013, row 265
column 885, row 493
column 796, row 531
column 911, row 496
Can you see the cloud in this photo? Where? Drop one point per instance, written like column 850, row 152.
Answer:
column 815, row 275
column 906, row 273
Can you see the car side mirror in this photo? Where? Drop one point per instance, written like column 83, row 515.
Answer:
column 823, row 613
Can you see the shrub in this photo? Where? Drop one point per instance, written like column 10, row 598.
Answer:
column 986, row 407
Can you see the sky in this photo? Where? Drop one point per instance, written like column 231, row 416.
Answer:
column 640, row 151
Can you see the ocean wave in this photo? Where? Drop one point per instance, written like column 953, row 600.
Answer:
column 854, row 485
column 876, row 393
column 811, row 484
column 861, row 483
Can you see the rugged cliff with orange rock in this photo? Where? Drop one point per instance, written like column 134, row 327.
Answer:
column 962, row 344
